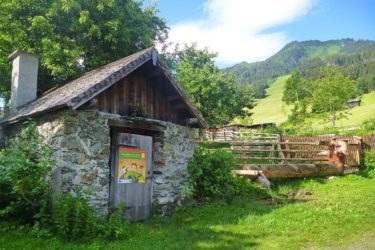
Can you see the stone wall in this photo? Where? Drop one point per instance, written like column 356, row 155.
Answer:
column 81, row 142
column 172, row 152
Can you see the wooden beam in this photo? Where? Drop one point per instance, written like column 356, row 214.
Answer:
column 239, row 143
column 281, row 159
column 250, row 173
column 275, row 150
column 136, row 124
column 296, row 170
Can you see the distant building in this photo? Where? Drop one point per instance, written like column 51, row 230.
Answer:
column 353, row 103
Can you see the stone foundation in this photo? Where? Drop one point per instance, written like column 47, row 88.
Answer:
column 81, row 141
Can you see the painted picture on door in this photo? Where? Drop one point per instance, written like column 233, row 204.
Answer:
column 131, row 165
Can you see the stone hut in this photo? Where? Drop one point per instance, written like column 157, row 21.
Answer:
column 120, row 133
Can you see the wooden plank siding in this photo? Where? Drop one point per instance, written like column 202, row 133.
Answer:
column 139, row 90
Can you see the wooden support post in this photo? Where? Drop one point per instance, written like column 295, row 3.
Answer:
column 287, row 147
column 359, row 148
column 244, row 156
column 331, row 148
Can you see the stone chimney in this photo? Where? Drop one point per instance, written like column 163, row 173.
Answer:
column 24, row 78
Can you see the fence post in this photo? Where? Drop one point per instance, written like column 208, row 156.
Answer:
column 244, row 155
column 287, row 148
column 359, row 151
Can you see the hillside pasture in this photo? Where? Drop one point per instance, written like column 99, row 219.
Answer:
column 272, row 109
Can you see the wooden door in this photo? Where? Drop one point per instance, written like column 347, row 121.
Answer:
column 132, row 171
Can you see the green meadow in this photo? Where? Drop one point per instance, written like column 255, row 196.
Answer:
column 272, row 109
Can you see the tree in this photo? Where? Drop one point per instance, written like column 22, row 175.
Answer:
column 215, row 93
column 331, row 92
column 296, row 89
column 74, row 36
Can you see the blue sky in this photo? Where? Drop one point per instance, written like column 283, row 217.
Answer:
column 253, row 30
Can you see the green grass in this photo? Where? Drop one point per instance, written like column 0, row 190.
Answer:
column 339, row 213
column 272, row 109
column 356, row 116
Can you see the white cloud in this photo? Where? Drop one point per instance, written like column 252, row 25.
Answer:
column 236, row 29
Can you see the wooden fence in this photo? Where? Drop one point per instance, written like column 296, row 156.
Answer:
column 369, row 142
column 354, row 150
column 289, row 148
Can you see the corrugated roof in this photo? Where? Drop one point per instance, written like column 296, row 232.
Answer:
column 79, row 91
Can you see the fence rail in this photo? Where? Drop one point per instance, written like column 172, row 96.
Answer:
column 289, row 148
column 354, row 149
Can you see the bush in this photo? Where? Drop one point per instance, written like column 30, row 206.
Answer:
column 75, row 220
column 368, row 162
column 24, row 167
column 369, row 125
column 211, row 176
column 25, row 194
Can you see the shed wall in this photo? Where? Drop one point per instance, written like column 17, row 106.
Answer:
column 81, row 144
column 145, row 95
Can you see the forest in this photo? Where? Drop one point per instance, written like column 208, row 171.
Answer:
column 304, row 56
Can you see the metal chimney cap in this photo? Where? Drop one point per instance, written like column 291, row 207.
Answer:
column 20, row 52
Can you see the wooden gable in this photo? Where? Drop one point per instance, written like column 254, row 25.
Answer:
column 139, row 84
column 145, row 93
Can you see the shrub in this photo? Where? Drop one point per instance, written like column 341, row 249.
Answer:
column 369, row 125
column 24, row 167
column 115, row 225
column 368, row 162
column 75, row 220
column 25, row 194
column 211, row 175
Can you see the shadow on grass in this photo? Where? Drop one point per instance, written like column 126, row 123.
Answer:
column 297, row 183
column 209, row 226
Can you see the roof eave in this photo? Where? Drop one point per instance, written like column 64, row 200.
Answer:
column 184, row 95
column 6, row 122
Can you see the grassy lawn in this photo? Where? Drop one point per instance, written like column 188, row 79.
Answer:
column 337, row 213
column 272, row 109
column 357, row 115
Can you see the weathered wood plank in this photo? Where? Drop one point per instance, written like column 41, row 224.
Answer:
column 296, row 170
column 136, row 196
column 142, row 91
column 281, row 159
column 246, row 172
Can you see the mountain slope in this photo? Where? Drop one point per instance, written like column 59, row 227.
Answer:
column 272, row 109
column 288, row 58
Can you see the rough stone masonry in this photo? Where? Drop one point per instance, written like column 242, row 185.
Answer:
column 81, row 142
